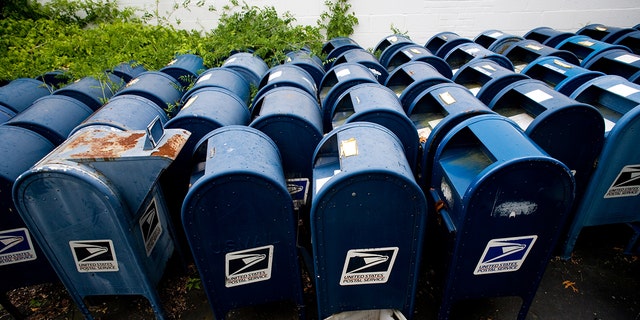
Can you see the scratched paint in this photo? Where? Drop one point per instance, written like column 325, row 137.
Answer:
column 513, row 209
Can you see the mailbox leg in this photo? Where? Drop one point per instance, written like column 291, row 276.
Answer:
column 154, row 300
column 9, row 307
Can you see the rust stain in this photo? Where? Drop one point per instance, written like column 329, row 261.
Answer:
column 172, row 147
column 111, row 145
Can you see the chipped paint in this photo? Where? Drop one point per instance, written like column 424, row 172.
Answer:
column 512, row 209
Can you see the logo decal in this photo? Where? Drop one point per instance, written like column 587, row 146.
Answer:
column 368, row 266
column 16, row 246
column 151, row 227
column 248, row 266
column 94, row 255
column 627, row 184
column 504, row 255
column 298, row 189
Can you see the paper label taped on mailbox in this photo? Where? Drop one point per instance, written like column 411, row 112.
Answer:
column 504, row 255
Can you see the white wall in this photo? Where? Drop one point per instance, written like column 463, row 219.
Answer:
column 422, row 19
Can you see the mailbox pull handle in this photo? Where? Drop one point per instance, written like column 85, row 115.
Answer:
column 441, row 209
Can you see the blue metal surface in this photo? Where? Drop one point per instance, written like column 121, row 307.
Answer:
column 335, row 47
column 53, row 117
column 567, row 130
column 630, row 40
column 611, row 196
column 524, row 52
column 128, row 70
column 225, row 78
column 92, row 91
column 286, row 75
column 442, row 43
column 485, row 78
column 307, row 61
column 434, row 112
column 471, row 51
column 416, row 52
column 20, row 93
column 159, row 87
column 388, row 46
column 548, row 36
column 292, row 118
column 617, row 62
column 365, row 58
column 239, row 221
column 100, row 217
column 503, row 207
column 337, row 80
column 185, row 68
column 586, row 48
column 496, row 40
column 368, row 218
column 249, row 65
column 564, row 77
column 6, row 114
column 411, row 79
column 375, row 103
column 604, row 33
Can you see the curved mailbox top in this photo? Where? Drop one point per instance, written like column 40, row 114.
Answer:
column 548, row 36
column 286, row 75
column 443, row 42
column 127, row 70
column 604, row 33
column 586, row 48
column 159, row 87
column 20, row 93
column 365, row 58
column 20, row 148
column 617, row 62
column 416, row 52
column 409, row 80
column 496, row 40
column 388, row 46
column 485, row 78
column 307, row 61
column 524, row 52
column 335, row 47
column 226, row 78
column 184, row 68
column 468, row 52
column 251, row 66
column 564, row 77
column 92, row 91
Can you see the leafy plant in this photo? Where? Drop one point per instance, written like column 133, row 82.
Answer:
column 338, row 21
column 193, row 283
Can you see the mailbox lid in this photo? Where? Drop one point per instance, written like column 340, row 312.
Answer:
column 20, row 93
column 416, row 52
column 226, row 78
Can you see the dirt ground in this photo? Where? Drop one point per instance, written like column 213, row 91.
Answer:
column 599, row 282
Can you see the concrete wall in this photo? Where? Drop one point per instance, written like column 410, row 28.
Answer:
column 421, row 19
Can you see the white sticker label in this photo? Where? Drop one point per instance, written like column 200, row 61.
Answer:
column 94, row 255
column 496, row 34
column 16, row 246
column 368, row 266
column 248, row 266
column 623, row 90
column 343, row 72
column 204, row 77
column 627, row 58
column 538, row 95
column 392, row 39
column 230, row 60
column 626, row 184
column 151, row 227
column 275, row 75
column 482, row 70
column 472, row 50
column 523, row 120
column 190, row 101
column 554, row 68
column 504, row 255
column 533, row 47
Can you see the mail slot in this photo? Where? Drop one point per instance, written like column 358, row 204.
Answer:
column 249, row 65
column 442, row 43
column 434, row 112
column 291, row 117
column 388, row 46
column 286, row 75
column 496, row 40
column 468, row 52
column 95, row 209
column 184, row 68
column 376, row 103
column 22, row 262
column 416, row 52
column 567, row 130
column 226, row 78
column 20, row 93
column 612, row 194
column 368, row 217
column 335, row 47
column 159, row 87
column 365, row 58
column 564, row 77
column 548, row 36
column 410, row 79
column 336, row 81
column 503, row 202
column 524, row 52
column 306, row 60
column 630, row 40
column 484, row 78
column 92, row 91
column 239, row 221
column 586, row 48
column 53, row 117
column 604, row 33
column 617, row 62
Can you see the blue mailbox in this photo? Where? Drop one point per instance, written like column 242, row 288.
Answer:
column 416, row 52
column 612, row 194
column 567, row 130
column 335, row 47
column 239, row 221
column 411, row 79
column 378, row 104
column 604, row 33
column 287, row 75
column 20, row 93
column 307, row 61
column 225, row 78
column 94, row 207
column 127, row 70
column 503, row 203
column 442, row 43
column 94, row 92
column 524, row 52
column 434, row 112
column 564, row 77
column 388, row 46
column 484, row 78
column 365, row 58
column 159, row 87
column 617, row 62
column 586, row 48
column 471, row 51
column 22, row 262
column 496, row 40
column 368, row 217
column 630, row 40
column 251, row 66
column 548, row 36
column 184, row 68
